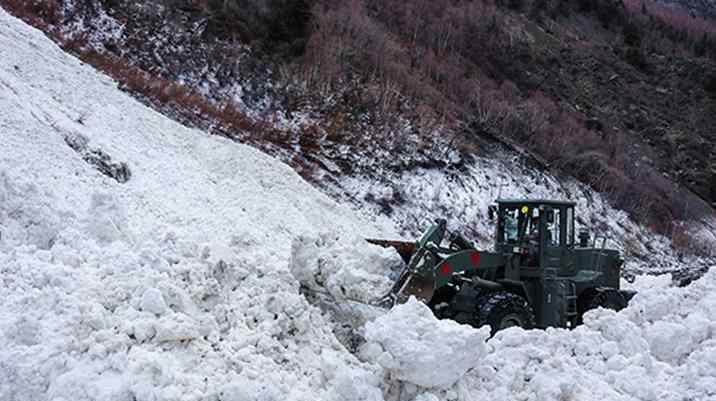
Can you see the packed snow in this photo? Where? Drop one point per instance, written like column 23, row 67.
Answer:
column 187, row 281
column 409, row 338
column 172, row 286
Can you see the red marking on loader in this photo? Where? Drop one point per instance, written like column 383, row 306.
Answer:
column 445, row 269
column 475, row 259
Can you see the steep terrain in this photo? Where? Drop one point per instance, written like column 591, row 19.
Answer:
column 171, row 285
column 142, row 260
column 616, row 94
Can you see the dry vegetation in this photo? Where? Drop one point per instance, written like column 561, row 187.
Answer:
column 219, row 116
column 457, row 60
column 459, row 65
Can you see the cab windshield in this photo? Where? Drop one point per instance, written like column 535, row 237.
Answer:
column 512, row 220
column 517, row 224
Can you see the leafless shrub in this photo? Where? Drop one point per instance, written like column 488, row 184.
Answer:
column 437, row 62
column 672, row 15
column 40, row 13
column 162, row 92
column 632, row 246
column 680, row 238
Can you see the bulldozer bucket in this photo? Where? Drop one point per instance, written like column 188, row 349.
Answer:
column 420, row 287
column 404, row 248
column 407, row 285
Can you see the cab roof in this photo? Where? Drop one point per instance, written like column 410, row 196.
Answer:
column 534, row 202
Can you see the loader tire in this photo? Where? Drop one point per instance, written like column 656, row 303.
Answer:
column 502, row 309
column 607, row 299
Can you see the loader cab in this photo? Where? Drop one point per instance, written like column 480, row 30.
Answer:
column 542, row 231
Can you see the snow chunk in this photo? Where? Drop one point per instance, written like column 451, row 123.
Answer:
column 420, row 349
column 347, row 382
column 107, row 219
column 345, row 267
column 153, row 301
column 28, row 215
column 668, row 340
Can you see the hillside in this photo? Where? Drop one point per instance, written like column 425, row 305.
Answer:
column 143, row 260
column 614, row 94
column 171, row 285
column 702, row 8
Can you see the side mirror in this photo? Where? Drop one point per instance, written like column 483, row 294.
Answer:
column 491, row 212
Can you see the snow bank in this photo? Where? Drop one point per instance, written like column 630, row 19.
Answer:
column 164, row 319
column 663, row 346
column 172, row 286
column 416, row 347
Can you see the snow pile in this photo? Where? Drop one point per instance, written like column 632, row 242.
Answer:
column 663, row 346
column 343, row 275
column 174, row 285
column 415, row 347
column 346, row 268
column 27, row 215
column 164, row 323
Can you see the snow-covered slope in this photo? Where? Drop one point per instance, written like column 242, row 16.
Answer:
column 183, row 282
column 173, row 285
column 415, row 198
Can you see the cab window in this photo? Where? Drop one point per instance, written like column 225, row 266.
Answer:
column 518, row 222
column 570, row 226
column 553, row 228
column 512, row 221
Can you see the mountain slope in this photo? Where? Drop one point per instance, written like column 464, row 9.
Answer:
column 554, row 85
column 173, row 285
column 141, row 260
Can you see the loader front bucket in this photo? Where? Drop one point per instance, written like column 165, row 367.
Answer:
column 404, row 248
column 407, row 285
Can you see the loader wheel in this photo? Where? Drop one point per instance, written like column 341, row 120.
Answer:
column 607, row 299
column 502, row 309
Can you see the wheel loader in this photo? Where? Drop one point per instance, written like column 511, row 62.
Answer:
column 536, row 276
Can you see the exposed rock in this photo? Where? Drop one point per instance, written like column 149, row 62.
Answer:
column 103, row 162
